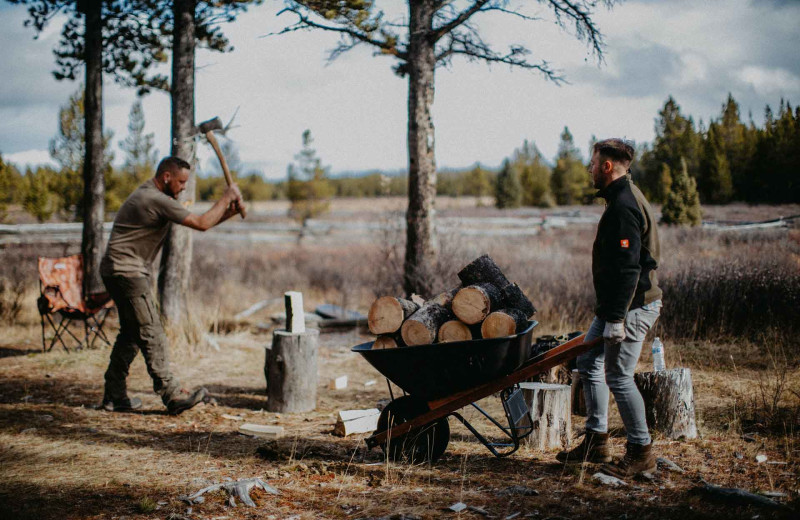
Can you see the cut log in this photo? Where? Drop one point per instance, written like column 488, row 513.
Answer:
column 578, row 399
column 455, row 330
column 473, row 303
column 349, row 422
column 514, row 297
column 291, row 370
column 387, row 341
column 669, row 402
column 445, row 298
column 505, row 322
column 422, row 326
column 387, row 314
column 550, row 415
column 483, row 269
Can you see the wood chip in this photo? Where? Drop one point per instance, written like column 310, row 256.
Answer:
column 262, row 430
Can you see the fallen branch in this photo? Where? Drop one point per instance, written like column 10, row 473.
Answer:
column 736, row 495
column 236, row 489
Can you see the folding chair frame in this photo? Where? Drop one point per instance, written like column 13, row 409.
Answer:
column 91, row 332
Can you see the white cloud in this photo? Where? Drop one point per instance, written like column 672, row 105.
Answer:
column 770, row 82
column 29, row 158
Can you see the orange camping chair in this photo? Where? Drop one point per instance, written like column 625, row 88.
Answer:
column 62, row 295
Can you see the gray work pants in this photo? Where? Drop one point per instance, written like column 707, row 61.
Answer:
column 140, row 329
column 611, row 367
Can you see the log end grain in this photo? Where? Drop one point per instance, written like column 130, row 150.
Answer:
column 505, row 322
column 385, row 315
column 384, row 342
column 454, row 330
column 416, row 333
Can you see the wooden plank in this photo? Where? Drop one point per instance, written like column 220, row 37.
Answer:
column 441, row 407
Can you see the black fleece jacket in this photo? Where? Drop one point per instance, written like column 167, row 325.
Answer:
column 625, row 252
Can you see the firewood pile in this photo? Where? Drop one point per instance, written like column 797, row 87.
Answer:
column 485, row 305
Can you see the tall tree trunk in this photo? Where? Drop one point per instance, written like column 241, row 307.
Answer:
column 421, row 243
column 93, row 182
column 176, row 256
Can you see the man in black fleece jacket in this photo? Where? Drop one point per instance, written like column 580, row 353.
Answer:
column 624, row 261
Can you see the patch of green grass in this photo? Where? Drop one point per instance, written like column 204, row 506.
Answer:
column 146, row 505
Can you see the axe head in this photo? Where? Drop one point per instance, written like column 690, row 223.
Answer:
column 210, row 125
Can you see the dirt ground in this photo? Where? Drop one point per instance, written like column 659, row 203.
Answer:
column 63, row 459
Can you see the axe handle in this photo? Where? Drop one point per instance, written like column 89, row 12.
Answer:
column 224, row 164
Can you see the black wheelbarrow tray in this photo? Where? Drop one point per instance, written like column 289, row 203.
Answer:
column 440, row 379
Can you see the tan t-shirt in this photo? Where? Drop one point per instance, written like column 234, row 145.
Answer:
column 139, row 230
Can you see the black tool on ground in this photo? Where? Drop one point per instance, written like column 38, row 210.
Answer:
column 440, row 379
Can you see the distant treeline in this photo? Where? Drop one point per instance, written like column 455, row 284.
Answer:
column 730, row 160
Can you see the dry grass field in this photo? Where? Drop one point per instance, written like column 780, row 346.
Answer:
column 730, row 315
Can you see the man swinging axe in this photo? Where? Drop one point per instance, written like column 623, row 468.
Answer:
column 139, row 230
column 625, row 257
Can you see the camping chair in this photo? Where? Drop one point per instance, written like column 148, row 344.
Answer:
column 62, row 294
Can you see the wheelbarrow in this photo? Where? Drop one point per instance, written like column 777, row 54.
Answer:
column 438, row 380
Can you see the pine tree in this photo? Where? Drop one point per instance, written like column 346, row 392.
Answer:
column 507, row 191
column 68, row 150
column 140, row 153
column 735, row 142
column 478, row 183
column 309, row 188
column 676, row 140
column 37, row 200
column 570, row 183
column 682, row 207
column 11, row 187
column 714, row 177
column 534, row 176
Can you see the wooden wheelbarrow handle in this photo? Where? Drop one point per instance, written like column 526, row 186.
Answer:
column 224, row 164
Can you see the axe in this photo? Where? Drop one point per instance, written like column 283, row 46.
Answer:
column 207, row 128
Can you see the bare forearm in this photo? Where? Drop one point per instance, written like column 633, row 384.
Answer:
column 218, row 213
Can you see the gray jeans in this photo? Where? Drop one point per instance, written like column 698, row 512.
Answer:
column 612, row 366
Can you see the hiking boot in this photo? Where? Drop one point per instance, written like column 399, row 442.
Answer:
column 638, row 459
column 185, row 400
column 121, row 405
column 593, row 448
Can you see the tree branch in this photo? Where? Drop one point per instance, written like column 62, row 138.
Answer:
column 580, row 14
column 465, row 45
column 462, row 17
column 304, row 22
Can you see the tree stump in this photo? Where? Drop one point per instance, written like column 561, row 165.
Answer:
column 549, row 406
column 291, row 371
column 578, row 399
column 669, row 402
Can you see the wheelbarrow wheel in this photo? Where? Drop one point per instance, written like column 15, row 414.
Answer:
column 426, row 443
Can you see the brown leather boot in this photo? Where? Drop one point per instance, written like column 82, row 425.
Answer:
column 593, row 448
column 638, row 459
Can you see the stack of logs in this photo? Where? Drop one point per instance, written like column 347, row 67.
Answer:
column 485, row 305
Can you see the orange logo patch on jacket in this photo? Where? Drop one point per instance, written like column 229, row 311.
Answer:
column 624, row 243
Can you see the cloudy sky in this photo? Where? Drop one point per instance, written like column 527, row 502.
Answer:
column 355, row 107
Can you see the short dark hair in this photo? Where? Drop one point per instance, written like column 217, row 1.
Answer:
column 172, row 164
column 618, row 150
